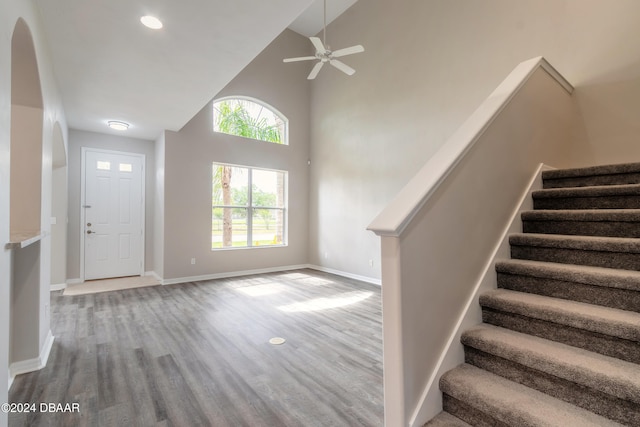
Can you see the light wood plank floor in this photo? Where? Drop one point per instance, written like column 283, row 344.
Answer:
column 197, row 354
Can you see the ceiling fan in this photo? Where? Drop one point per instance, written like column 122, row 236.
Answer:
column 325, row 54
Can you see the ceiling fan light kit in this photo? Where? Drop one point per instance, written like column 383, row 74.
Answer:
column 324, row 54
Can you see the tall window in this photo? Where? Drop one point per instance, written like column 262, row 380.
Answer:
column 250, row 119
column 248, row 207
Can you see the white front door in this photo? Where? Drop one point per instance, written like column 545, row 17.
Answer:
column 113, row 220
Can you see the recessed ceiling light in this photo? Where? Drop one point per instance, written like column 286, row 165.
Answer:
column 113, row 124
column 151, row 22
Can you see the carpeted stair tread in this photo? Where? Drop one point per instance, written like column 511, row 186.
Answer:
column 603, row 320
column 591, row 191
column 614, row 169
column 514, row 404
column 628, row 173
column 604, row 222
column 560, row 340
column 596, row 371
column 588, row 195
column 593, row 243
column 596, row 276
column 445, row 419
column 591, row 215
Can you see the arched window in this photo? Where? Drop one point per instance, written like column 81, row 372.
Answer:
column 249, row 118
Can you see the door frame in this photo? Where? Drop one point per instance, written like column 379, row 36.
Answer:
column 83, row 177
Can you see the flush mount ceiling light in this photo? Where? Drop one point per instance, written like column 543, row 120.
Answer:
column 113, row 124
column 151, row 22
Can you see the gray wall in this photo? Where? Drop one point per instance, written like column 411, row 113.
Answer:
column 190, row 152
column 79, row 139
column 427, row 66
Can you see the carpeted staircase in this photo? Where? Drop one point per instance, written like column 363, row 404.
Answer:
column 560, row 342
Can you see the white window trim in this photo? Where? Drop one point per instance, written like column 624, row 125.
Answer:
column 250, row 208
column 257, row 101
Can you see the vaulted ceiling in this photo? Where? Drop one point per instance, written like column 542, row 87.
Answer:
column 110, row 67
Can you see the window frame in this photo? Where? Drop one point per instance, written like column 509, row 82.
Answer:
column 250, row 208
column 269, row 107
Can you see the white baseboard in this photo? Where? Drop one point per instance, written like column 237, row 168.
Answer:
column 10, row 380
column 76, row 281
column 225, row 275
column 231, row 274
column 366, row 279
column 31, row 365
column 154, row 275
column 430, row 403
column 58, row 287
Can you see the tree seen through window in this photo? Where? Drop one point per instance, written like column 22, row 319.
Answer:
column 242, row 117
column 248, row 207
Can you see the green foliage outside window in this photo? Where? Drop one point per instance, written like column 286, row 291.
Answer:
column 248, row 119
column 242, row 117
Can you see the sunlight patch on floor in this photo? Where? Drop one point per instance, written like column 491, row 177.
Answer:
column 307, row 279
column 317, row 304
column 316, row 281
column 261, row 290
column 294, row 276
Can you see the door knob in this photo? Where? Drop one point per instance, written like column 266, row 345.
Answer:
column 89, row 231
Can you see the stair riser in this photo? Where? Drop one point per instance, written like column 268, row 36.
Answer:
column 601, row 403
column 623, row 299
column 444, row 419
column 466, row 389
column 588, row 181
column 612, row 202
column 592, row 341
column 470, row 414
column 623, row 260
column 583, row 228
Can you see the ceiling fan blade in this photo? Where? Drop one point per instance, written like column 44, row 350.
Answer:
column 300, row 58
column 317, row 43
column 314, row 72
column 342, row 67
column 347, row 51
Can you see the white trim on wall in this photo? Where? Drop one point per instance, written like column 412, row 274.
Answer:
column 31, row 365
column 58, row 287
column 225, row 275
column 232, row 274
column 371, row 280
column 154, row 275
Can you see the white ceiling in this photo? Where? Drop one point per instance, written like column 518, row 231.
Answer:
column 110, row 67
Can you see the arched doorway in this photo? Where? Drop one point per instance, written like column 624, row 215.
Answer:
column 26, row 134
column 25, row 202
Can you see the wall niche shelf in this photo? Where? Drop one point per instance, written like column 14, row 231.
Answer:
column 21, row 240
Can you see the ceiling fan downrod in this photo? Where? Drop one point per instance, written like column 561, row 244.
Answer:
column 324, row 54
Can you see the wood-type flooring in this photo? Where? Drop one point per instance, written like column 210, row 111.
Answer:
column 198, row 354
